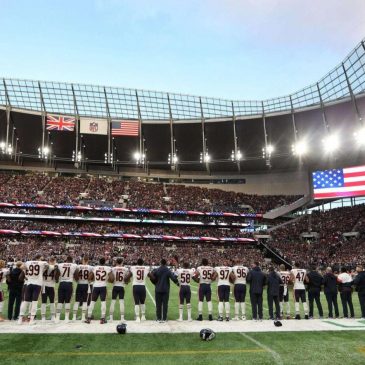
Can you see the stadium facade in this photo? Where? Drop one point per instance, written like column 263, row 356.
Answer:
column 183, row 137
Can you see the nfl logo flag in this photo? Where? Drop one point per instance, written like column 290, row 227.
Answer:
column 339, row 183
column 125, row 128
column 59, row 123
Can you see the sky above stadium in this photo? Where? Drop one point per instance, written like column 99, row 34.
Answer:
column 237, row 49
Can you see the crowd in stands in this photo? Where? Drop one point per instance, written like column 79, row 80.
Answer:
column 71, row 190
column 330, row 247
column 61, row 226
column 24, row 248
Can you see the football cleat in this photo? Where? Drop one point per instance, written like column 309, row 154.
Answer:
column 220, row 319
column 243, row 318
column 200, row 317
column 143, row 318
column 87, row 320
column 180, row 319
column 288, row 316
column 210, row 317
column 138, row 319
column 103, row 321
column 227, row 319
column 235, row 318
column 306, row 316
column 297, row 316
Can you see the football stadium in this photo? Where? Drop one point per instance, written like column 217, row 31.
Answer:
column 143, row 227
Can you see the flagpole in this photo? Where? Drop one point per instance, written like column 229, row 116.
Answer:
column 43, row 118
column 77, row 129
column 140, row 124
column 109, row 129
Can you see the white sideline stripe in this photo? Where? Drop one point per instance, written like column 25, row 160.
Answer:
column 274, row 354
column 150, row 295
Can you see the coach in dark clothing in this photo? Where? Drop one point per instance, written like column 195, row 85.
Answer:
column 330, row 291
column 161, row 278
column 273, row 290
column 315, row 282
column 257, row 280
column 359, row 283
column 15, row 280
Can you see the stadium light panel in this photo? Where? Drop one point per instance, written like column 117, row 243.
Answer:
column 360, row 137
column 270, row 149
column 331, row 143
column 300, row 148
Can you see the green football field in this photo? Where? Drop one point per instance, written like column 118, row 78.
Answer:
column 335, row 347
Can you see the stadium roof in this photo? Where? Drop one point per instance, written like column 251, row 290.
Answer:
column 112, row 102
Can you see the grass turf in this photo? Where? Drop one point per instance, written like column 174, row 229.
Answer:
column 231, row 348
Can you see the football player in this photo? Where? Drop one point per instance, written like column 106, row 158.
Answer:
column 48, row 290
column 139, row 274
column 101, row 274
column 119, row 272
column 83, row 288
column 3, row 272
column 224, row 274
column 204, row 276
column 284, row 291
column 67, row 272
column 239, row 280
column 298, row 276
column 34, row 272
column 184, row 277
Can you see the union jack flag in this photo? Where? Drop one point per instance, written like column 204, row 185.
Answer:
column 60, row 123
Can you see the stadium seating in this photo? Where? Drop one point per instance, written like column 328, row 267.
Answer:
column 71, row 190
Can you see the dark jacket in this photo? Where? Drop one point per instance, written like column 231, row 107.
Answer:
column 359, row 282
column 257, row 279
column 273, row 283
column 162, row 276
column 13, row 279
column 330, row 283
column 315, row 281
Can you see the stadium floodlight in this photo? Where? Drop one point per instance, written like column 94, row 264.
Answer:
column 360, row 137
column 174, row 160
column 300, row 148
column 236, row 156
column 44, row 152
column 331, row 143
column 267, row 151
column 2, row 146
column 10, row 149
column 204, row 157
column 139, row 157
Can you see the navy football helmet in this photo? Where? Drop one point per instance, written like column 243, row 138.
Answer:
column 207, row 334
column 122, row 328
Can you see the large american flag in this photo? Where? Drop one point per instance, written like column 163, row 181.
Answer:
column 338, row 183
column 60, row 123
column 125, row 128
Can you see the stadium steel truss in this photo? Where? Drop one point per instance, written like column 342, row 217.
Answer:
column 346, row 81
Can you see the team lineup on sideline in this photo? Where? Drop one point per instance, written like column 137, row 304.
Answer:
column 36, row 281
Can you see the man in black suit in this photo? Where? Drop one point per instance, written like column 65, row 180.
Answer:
column 331, row 291
column 257, row 280
column 273, row 290
column 315, row 282
column 15, row 281
column 359, row 283
column 161, row 278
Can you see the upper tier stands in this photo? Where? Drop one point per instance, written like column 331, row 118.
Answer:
column 71, row 190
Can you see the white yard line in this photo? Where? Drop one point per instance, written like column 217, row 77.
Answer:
column 275, row 355
column 150, row 295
